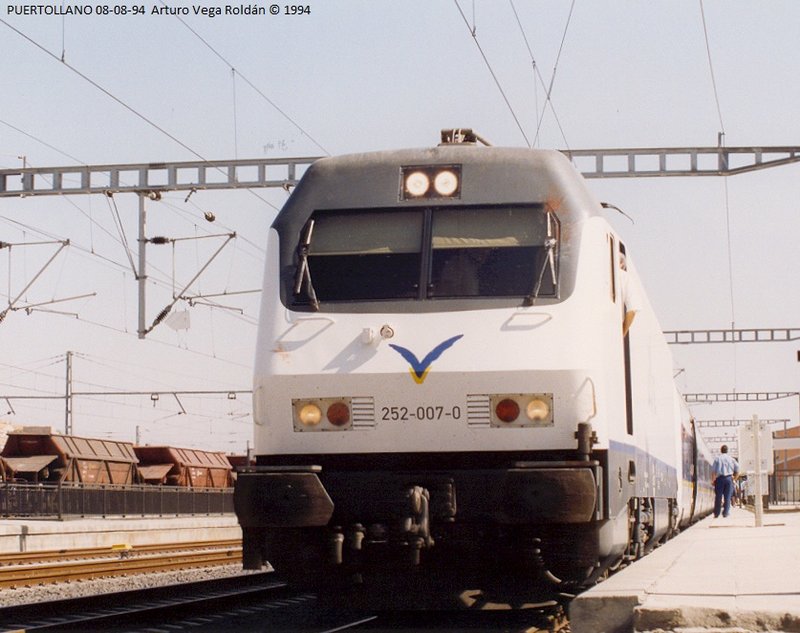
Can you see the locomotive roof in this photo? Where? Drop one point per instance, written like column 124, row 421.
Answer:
column 489, row 175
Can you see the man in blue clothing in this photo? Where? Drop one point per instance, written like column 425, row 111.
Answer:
column 725, row 469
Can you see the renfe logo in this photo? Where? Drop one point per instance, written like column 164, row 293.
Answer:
column 419, row 368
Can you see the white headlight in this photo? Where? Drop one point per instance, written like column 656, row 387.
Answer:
column 445, row 183
column 417, row 183
column 537, row 409
column 310, row 414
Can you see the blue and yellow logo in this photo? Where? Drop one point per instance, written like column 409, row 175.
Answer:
column 419, row 368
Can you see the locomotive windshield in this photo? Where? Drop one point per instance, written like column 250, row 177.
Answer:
column 426, row 254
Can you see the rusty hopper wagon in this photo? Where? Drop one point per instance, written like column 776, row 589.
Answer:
column 48, row 457
column 190, row 468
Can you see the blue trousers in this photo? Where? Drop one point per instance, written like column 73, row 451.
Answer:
column 723, row 489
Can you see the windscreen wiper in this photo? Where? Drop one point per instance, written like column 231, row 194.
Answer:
column 303, row 274
column 550, row 245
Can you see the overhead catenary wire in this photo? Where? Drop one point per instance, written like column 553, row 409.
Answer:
column 68, row 199
column 164, row 283
column 50, row 362
column 711, row 67
column 534, row 68
column 260, row 249
column 123, row 241
column 549, row 94
column 125, row 105
column 726, row 194
column 106, row 92
column 45, row 143
column 250, row 83
column 112, row 206
column 493, row 74
column 92, row 221
column 115, row 210
column 235, row 125
column 720, row 140
column 140, row 371
column 538, row 75
column 120, row 405
column 76, row 246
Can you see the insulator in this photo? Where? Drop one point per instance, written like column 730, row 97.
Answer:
column 161, row 316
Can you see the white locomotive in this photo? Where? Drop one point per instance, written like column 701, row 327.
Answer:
column 442, row 383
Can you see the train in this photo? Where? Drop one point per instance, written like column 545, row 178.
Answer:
column 38, row 455
column 460, row 387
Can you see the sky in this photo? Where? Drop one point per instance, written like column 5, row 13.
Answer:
column 352, row 76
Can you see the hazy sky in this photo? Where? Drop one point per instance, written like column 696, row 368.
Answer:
column 358, row 76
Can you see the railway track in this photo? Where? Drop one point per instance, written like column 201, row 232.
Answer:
column 130, row 610
column 243, row 602
column 37, row 568
column 255, row 602
column 268, row 606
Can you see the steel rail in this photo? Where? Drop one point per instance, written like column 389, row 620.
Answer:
column 13, row 558
column 154, row 605
column 47, row 573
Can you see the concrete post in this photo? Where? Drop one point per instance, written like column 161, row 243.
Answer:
column 759, row 509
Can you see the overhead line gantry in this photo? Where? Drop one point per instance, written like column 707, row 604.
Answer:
column 149, row 180
column 261, row 172
column 750, row 335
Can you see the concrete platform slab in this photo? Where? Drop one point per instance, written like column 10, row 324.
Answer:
column 31, row 535
column 721, row 574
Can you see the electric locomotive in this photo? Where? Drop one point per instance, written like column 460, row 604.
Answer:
column 443, row 387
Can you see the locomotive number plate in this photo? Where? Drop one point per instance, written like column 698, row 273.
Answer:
column 421, row 413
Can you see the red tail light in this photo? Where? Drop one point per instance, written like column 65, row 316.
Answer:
column 338, row 414
column 507, row 410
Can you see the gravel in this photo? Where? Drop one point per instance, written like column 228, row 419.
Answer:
column 83, row 588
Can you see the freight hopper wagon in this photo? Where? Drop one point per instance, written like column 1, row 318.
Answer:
column 48, row 457
column 191, row 468
column 48, row 474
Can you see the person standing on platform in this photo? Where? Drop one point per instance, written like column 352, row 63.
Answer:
column 743, row 490
column 726, row 470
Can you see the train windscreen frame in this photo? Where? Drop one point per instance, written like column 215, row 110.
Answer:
column 428, row 253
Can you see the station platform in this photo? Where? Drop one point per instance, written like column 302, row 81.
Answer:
column 35, row 535
column 721, row 574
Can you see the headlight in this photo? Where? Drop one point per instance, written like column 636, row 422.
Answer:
column 445, row 183
column 417, row 184
column 430, row 181
column 507, row 407
column 308, row 414
column 537, row 409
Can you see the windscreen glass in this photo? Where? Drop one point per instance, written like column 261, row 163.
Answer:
column 486, row 252
column 366, row 255
column 428, row 253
